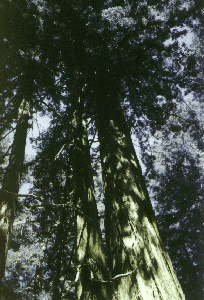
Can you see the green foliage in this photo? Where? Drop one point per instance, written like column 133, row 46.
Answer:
column 175, row 176
column 134, row 47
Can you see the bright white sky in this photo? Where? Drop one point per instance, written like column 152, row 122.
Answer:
column 40, row 124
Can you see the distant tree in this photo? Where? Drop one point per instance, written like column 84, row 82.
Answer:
column 11, row 182
column 21, row 74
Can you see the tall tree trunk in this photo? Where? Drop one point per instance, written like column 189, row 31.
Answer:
column 11, row 183
column 90, row 257
column 136, row 254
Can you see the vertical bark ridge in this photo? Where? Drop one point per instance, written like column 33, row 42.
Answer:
column 11, row 182
column 133, row 240
column 90, row 257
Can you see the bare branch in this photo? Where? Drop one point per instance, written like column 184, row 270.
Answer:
column 7, row 152
column 116, row 277
column 53, row 110
column 193, row 122
column 92, row 140
column 2, row 138
column 58, row 154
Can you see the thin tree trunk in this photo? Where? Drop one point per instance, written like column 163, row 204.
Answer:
column 90, row 257
column 58, row 266
column 38, row 281
column 135, row 249
column 58, row 255
column 11, row 183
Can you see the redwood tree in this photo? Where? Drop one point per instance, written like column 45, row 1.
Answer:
column 89, row 250
column 136, row 254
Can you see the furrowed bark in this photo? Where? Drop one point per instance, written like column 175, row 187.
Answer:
column 132, row 236
column 11, row 183
column 90, row 257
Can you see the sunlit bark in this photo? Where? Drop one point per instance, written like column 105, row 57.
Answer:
column 135, row 249
column 90, row 257
column 11, row 183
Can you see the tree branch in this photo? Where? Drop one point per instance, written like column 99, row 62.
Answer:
column 58, row 154
column 66, row 205
column 92, row 140
column 52, row 109
column 116, row 277
column 193, row 122
column 7, row 152
column 2, row 138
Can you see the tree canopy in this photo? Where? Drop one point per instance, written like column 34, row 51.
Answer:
column 100, row 70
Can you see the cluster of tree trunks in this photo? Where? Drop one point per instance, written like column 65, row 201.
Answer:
column 137, row 266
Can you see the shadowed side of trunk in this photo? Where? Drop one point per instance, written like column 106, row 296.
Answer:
column 11, row 183
column 136, row 254
column 90, row 257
